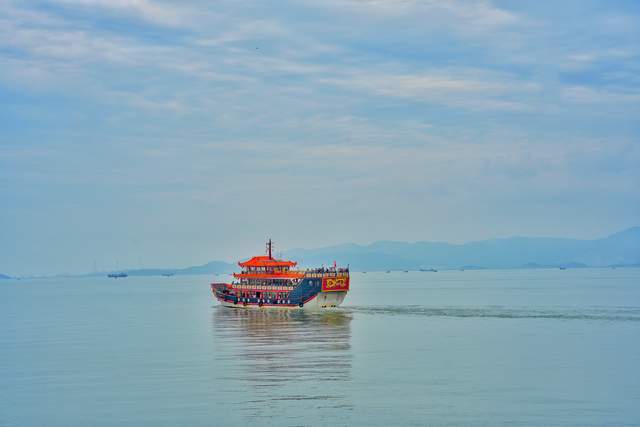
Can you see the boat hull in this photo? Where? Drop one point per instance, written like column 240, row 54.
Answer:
column 320, row 301
column 316, row 291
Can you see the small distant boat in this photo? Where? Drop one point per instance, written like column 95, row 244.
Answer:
column 167, row 274
column 118, row 275
column 406, row 271
column 388, row 271
column 562, row 267
column 433, row 270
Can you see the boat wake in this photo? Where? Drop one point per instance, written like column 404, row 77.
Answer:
column 612, row 314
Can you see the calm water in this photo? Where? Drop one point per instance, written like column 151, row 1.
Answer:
column 537, row 347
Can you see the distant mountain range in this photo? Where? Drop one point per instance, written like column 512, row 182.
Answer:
column 620, row 249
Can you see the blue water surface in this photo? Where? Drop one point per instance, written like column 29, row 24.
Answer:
column 515, row 347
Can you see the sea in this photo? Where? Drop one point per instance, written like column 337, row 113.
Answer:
column 511, row 347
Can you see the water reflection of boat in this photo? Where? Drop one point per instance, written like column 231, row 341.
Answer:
column 278, row 357
column 284, row 327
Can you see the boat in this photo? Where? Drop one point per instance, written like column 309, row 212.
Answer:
column 118, row 275
column 167, row 274
column 431, row 270
column 267, row 282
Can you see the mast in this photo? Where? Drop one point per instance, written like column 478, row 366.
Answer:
column 269, row 248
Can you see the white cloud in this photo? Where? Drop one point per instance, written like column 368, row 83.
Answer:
column 585, row 59
column 164, row 13
column 467, row 89
column 465, row 16
column 590, row 95
column 257, row 30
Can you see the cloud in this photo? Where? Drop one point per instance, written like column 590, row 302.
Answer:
column 66, row 45
column 467, row 15
column 589, row 95
column 585, row 59
column 163, row 13
column 472, row 89
column 251, row 30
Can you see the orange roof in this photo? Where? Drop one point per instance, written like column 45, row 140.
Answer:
column 266, row 261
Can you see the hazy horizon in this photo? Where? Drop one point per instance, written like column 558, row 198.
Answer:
column 278, row 252
column 173, row 133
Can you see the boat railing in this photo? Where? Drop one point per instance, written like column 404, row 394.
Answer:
column 319, row 273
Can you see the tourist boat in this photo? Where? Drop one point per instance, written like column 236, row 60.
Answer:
column 267, row 282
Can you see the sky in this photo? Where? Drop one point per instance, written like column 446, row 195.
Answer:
column 140, row 133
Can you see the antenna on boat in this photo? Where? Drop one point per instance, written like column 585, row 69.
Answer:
column 269, row 248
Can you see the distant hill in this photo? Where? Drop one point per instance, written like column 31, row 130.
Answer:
column 4, row 277
column 213, row 267
column 217, row 267
column 619, row 249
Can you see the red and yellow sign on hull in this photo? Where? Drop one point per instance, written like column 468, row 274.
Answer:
column 333, row 284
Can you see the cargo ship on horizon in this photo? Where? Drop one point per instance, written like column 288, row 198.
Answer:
column 267, row 282
column 117, row 275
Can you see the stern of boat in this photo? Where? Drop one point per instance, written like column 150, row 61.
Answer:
column 326, row 300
